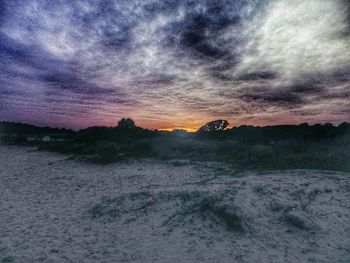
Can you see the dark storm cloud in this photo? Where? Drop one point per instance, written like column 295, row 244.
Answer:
column 71, row 81
column 42, row 67
column 197, row 31
column 281, row 98
column 102, row 60
column 257, row 76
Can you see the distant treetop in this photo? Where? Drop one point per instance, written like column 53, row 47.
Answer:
column 218, row 125
column 126, row 123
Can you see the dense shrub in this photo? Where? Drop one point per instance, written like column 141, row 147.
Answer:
column 254, row 148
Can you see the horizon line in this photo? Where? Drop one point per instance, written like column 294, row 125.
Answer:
column 189, row 130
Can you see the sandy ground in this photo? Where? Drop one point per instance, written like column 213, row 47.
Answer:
column 57, row 210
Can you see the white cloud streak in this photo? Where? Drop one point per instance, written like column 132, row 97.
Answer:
column 298, row 39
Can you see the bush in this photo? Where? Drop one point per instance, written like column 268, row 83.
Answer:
column 106, row 153
column 140, row 150
column 231, row 219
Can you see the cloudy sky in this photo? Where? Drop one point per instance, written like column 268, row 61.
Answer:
column 174, row 63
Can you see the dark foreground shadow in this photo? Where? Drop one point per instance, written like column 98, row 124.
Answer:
column 323, row 147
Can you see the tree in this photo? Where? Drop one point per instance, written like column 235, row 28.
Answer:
column 126, row 123
column 218, row 125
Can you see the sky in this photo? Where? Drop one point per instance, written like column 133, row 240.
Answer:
column 174, row 64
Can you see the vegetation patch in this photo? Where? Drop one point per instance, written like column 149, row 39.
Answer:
column 227, row 215
column 295, row 221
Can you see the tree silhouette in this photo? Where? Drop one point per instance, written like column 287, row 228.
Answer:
column 217, row 125
column 126, row 123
